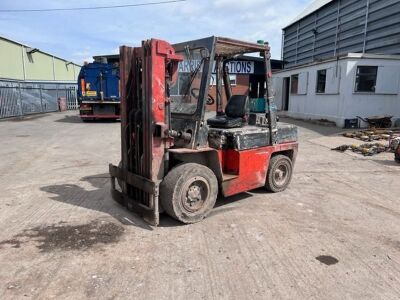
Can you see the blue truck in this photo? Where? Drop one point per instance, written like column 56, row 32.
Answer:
column 98, row 89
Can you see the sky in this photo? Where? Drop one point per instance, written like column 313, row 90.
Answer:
column 78, row 35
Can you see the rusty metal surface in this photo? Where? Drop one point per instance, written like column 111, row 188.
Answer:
column 134, row 206
column 250, row 137
column 144, row 73
column 185, row 150
column 227, row 47
column 137, row 181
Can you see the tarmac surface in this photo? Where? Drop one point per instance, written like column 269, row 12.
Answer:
column 334, row 234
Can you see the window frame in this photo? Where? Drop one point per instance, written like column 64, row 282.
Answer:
column 358, row 75
column 318, row 81
column 291, row 84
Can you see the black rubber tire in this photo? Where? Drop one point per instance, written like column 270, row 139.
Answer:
column 278, row 161
column 175, row 187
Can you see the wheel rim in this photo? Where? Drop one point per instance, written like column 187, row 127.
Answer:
column 281, row 175
column 195, row 194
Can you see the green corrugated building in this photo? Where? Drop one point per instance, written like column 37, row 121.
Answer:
column 21, row 62
column 32, row 81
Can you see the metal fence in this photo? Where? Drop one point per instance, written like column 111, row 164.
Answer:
column 24, row 98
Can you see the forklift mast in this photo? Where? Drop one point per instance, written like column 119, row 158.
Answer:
column 146, row 73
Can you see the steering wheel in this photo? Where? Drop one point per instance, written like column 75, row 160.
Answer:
column 195, row 93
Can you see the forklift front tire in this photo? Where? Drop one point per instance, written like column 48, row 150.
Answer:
column 279, row 175
column 188, row 192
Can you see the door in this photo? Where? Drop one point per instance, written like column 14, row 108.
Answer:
column 285, row 93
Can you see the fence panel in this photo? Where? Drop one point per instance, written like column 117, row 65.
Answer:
column 10, row 105
column 49, row 99
column 72, row 100
column 24, row 98
column 30, row 100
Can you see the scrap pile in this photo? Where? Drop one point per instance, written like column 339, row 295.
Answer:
column 372, row 135
column 367, row 149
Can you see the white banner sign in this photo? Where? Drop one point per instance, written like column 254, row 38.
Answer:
column 188, row 66
column 241, row 67
column 235, row 67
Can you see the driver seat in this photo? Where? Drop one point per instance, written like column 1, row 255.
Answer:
column 236, row 113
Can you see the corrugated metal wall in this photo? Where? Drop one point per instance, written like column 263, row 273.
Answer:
column 344, row 26
column 24, row 98
column 20, row 62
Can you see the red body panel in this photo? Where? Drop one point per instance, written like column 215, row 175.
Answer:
column 161, row 54
column 250, row 166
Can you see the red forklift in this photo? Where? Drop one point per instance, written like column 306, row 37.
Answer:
column 174, row 158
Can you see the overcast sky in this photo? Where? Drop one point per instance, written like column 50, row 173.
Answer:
column 78, row 35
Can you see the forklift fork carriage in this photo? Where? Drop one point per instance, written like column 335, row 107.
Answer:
column 174, row 160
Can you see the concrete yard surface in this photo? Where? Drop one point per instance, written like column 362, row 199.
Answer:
column 334, row 234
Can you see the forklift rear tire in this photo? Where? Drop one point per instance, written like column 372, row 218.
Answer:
column 188, row 192
column 279, row 175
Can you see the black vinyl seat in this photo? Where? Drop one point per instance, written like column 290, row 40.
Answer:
column 236, row 112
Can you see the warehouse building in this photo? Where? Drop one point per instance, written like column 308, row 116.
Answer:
column 341, row 60
column 32, row 81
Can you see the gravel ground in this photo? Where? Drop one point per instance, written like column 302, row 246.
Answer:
column 334, row 234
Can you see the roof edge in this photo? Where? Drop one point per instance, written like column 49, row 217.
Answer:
column 44, row 52
column 343, row 57
column 310, row 9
